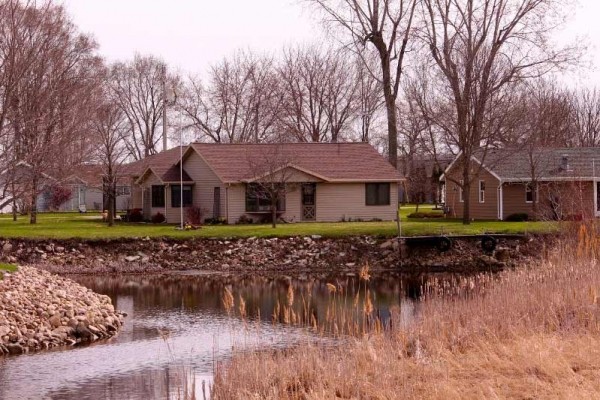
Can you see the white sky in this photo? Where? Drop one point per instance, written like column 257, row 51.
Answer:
column 193, row 34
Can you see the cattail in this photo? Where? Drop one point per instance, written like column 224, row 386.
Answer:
column 364, row 273
column 228, row 302
column 242, row 307
column 290, row 296
column 368, row 308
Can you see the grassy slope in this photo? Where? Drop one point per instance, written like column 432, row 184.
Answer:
column 72, row 225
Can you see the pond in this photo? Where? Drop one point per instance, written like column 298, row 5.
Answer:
column 178, row 329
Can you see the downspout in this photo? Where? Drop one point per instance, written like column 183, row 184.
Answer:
column 227, row 202
column 500, row 202
column 166, row 190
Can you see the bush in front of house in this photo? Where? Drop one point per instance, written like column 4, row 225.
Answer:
column 135, row 215
column 215, row 221
column 194, row 215
column 244, row 220
column 423, row 215
column 158, row 218
column 517, row 217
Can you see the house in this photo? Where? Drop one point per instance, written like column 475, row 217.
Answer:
column 544, row 183
column 323, row 182
column 422, row 178
column 86, row 185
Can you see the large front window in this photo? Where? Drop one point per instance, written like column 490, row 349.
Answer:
column 378, row 194
column 258, row 199
column 158, row 196
column 188, row 197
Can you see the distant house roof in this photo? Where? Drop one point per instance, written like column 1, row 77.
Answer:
column 430, row 164
column 331, row 162
column 515, row 164
column 163, row 164
column 91, row 175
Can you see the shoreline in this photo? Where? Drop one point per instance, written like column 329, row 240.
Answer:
column 290, row 256
column 40, row 311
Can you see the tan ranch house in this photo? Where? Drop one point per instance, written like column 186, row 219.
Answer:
column 545, row 183
column 323, row 182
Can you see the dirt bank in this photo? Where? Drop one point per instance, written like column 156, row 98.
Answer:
column 286, row 255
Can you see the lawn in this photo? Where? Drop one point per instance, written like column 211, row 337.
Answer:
column 7, row 268
column 90, row 226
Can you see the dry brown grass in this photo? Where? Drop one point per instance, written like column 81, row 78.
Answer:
column 529, row 333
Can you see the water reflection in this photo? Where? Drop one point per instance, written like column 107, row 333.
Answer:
column 177, row 323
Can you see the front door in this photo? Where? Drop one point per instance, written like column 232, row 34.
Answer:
column 309, row 201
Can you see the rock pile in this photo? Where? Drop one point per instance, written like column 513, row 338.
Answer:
column 39, row 310
column 287, row 255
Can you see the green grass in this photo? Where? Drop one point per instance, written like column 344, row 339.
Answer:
column 90, row 226
column 7, row 268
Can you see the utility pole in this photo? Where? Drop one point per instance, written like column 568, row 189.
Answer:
column 164, row 111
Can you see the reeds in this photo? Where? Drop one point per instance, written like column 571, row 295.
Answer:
column 528, row 333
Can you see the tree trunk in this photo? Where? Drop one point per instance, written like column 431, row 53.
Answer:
column 466, row 220
column 273, row 213
column 14, row 210
column 33, row 212
column 392, row 118
column 111, row 202
column 534, row 186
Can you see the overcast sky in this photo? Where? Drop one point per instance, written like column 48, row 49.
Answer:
column 191, row 35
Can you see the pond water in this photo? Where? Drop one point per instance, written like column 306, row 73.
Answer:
column 177, row 330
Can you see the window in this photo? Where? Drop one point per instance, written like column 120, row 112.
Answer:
column 460, row 192
column 123, row 191
column 258, row 200
column 482, row 191
column 378, row 194
column 530, row 196
column 158, row 196
column 188, row 197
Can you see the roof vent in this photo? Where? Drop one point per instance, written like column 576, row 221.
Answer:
column 564, row 163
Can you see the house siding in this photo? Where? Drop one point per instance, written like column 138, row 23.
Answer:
column 205, row 183
column 337, row 201
column 486, row 210
column 515, row 200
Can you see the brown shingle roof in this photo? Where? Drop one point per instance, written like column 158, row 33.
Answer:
column 333, row 162
column 161, row 163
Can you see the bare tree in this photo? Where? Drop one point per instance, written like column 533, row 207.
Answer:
column 320, row 94
column 272, row 177
column 369, row 101
column 586, row 116
column 50, row 102
column 109, row 127
column 138, row 88
column 480, row 47
column 387, row 25
column 304, row 76
column 241, row 103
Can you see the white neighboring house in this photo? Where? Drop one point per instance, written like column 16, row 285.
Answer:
column 20, row 181
column 87, row 194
